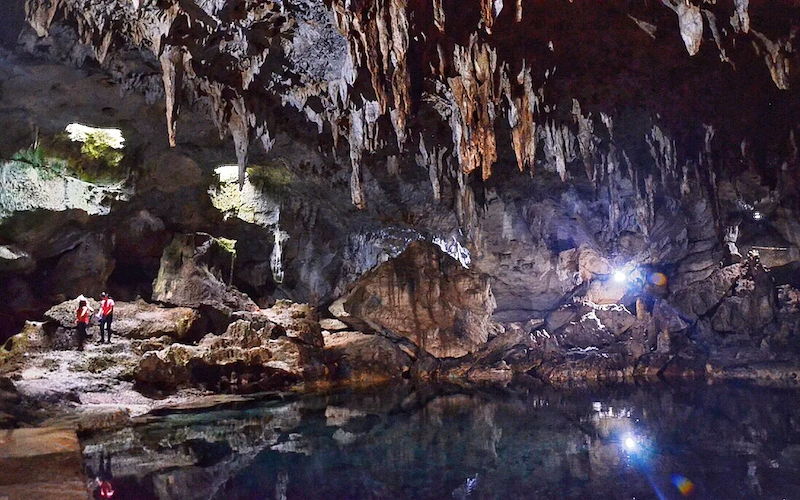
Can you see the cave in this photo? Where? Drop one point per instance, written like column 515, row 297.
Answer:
column 381, row 212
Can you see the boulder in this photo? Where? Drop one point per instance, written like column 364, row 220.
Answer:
column 698, row 298
column 597, row 326
column 193, row 271
column 425, row 296
column 357, row 357
column 249, row 356
column 299, row 321
column 138, row 320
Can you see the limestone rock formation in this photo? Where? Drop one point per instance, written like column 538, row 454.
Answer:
column 575, row 184
column 427, row 297
column 193, row 271
column 250, row 356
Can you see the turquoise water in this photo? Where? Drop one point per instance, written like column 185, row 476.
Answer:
column 716, row 442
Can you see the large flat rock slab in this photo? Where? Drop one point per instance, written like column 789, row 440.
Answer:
column 41, row 464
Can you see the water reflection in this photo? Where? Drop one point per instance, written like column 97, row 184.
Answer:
column 717, row 442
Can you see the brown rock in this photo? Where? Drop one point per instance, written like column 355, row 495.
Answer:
column 427, row 297
column 361, row 358
column 249, row 356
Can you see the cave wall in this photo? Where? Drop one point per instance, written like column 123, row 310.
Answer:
column 545, row 143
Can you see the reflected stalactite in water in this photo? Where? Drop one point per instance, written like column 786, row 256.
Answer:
column 610, row 443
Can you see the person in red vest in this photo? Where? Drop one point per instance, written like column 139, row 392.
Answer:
column 83, row 315
column 106, row 316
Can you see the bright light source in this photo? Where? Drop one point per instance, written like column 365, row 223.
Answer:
column 630, row 444
column 758, row 216
column 620, row 276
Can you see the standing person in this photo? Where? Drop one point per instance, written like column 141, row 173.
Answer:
column 83, row 314
column 106, row 315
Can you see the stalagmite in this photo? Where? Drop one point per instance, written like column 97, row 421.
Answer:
column 690, row 23
column 172, row 74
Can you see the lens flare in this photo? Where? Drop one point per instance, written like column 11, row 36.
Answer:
column 684, row 485
column 619, row 276
column 658, row 279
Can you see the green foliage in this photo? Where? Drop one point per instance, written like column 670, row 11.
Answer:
column 36, row 157
column 227, row 244
column 272, row 178
column 97, row 147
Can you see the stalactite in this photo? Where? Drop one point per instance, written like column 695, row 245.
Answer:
column 645, row 206
column 40, row 14
column 776, row 55
column 363, row 137
column 393, row 165
column 609, row 123
column 665, row 157
column 240, row 130
column 559, row 147
column 614, row 210
column 519, row 11
column 521, row 120
column 690, row 23
column 585, row 139
column 433, row 162
column 487, row 16
column 648, row 28
column 474, row 95
column 438, row 15
column 378, row 37
column 712, row 23
column 172, row 74
column 276, row 259
column 741, row 18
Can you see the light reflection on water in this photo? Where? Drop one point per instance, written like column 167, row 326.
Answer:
column 718, row 442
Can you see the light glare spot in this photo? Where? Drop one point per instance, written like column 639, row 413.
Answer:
column 620, row 277
column 630, row 444
column 227, row 173
column 111, row 137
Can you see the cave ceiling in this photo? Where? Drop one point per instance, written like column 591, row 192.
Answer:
column 551, row 84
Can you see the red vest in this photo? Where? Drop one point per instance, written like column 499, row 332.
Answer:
column 84, row 313
column 107, row 306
